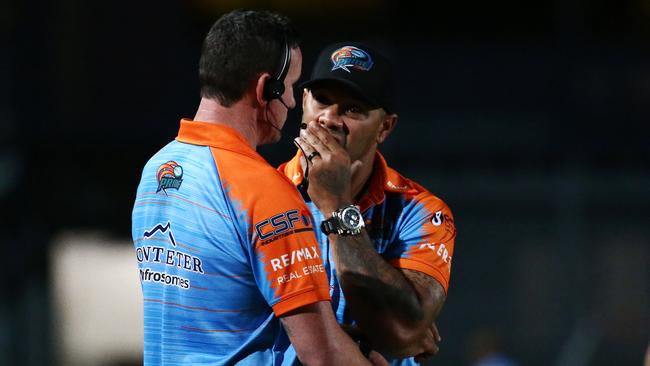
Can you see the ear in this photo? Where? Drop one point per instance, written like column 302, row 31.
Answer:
column 305, row 92
column 387, row 125
column 259, row 88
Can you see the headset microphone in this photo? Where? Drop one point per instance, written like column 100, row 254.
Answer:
column 267, row 117
column 272, row 125
column 282, row 101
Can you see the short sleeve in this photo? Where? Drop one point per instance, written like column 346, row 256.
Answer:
column 425, row 238
column 277, row 232
column 286, row 256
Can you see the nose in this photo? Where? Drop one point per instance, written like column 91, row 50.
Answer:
column 331, row 118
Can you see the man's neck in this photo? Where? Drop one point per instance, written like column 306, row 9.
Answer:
column 361, row 176
column 239, row 116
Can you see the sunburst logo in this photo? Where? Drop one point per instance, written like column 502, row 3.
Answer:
column 437, row 218
column 351, row 57
column 169, row 175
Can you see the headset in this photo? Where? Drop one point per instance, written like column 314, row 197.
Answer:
column 274, row 87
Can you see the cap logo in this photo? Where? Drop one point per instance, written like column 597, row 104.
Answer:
column 351, row 57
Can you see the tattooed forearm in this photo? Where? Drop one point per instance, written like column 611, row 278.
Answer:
column 367, row 279
column 394, row 308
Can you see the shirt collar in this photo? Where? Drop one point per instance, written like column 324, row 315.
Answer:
column 383, row 179
column 215, row 135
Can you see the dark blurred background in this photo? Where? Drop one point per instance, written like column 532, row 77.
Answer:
column 530, row 119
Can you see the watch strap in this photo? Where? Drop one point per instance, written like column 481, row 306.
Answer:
column 328, row 227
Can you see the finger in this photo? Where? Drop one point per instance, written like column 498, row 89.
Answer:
column 429, row 343
column 309, row 137
column 305, row 147
column 436, row 333
column 323, row 135
column 330, row 139
column 422, row 357
column 339, row 137
column 376, row 358
column 312, row 138
column 431, row 348
column 356, row 166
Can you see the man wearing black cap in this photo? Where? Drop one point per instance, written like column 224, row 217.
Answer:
column 387, row 242
column 224, row 261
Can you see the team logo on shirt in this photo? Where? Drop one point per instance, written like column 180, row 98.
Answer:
column 282, row 225
column 440, row 218
column 163, row 255
column 169, row 175
column 351, row 57
column 437, row 218
column 163, row 229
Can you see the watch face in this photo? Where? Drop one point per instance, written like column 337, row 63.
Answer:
column 352, row 218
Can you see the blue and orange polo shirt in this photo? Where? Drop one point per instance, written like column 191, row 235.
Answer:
column 224, row 245
column 408, row 226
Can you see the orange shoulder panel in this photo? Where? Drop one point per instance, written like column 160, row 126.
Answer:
column 280, row 228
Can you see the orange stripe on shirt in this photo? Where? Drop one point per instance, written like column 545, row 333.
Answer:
column 216, row 330
column 152, row 203
column 196, row 308
column 223, row 275
column 188, row 201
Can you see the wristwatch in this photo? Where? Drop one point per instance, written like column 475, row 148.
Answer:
column 344, row 221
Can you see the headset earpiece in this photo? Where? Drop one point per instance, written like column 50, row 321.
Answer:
column 274, row 87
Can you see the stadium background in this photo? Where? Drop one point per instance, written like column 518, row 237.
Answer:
column 529, row 118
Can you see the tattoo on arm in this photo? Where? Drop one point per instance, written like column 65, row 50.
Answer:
column 429, row 290
column 368, row 276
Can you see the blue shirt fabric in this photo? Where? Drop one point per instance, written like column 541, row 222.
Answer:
column 220, row 256
column 409, row 227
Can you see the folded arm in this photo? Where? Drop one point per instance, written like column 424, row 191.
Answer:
column 318, row 339
column 395, row 308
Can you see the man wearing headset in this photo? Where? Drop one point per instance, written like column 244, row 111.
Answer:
column 225, row 244
column 387, row 242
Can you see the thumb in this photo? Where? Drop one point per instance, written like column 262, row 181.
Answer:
column 377, row 359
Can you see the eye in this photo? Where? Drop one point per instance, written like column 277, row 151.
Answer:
column 321, row 98
column 355, row 111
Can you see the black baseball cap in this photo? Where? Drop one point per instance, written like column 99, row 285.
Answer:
column 360, row 69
